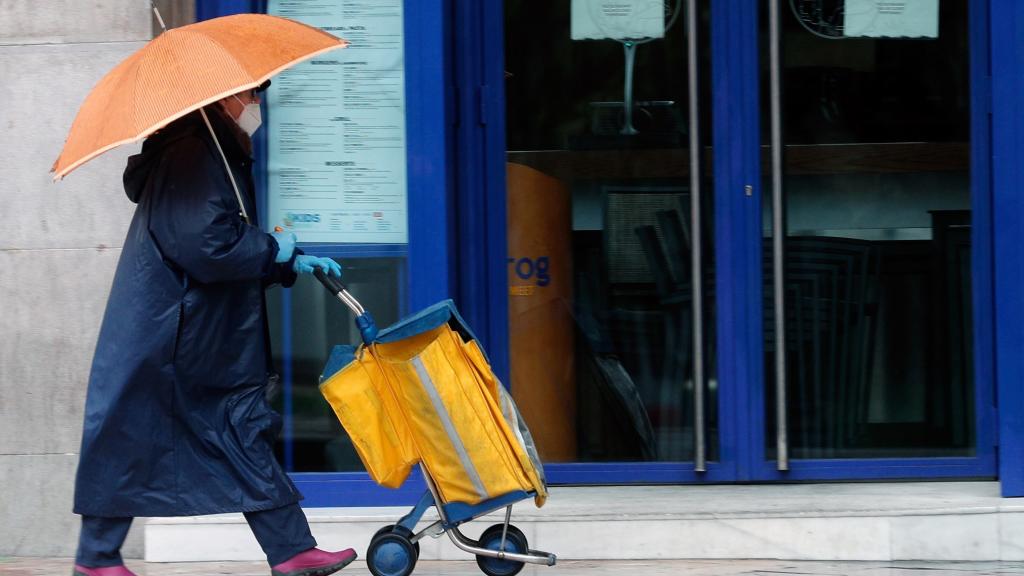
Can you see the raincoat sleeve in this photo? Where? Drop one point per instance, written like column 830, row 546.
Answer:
column 196, row 222
column 284, row 273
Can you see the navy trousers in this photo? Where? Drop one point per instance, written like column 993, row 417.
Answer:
column 282, row 533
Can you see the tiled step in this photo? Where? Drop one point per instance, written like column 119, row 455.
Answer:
column 885, row 521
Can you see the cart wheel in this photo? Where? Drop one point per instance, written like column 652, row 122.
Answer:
column 391, row 554
column 401, row 530
column 385, row 530
column 515, row 541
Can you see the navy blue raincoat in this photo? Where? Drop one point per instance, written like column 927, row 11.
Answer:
column 176, row 417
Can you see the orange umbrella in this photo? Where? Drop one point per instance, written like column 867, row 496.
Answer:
column 183, row 70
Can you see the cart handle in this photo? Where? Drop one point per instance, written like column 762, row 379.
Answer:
column 364, row 321
column 340, row 291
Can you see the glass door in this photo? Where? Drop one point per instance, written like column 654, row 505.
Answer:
column 610, row 256
column 869, row 357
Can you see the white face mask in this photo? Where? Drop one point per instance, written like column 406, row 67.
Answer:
column 250, row 118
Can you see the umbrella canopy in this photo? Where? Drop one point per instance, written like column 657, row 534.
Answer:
column 183, row 70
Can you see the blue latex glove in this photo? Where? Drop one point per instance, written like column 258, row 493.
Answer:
column 285, row 245
column 304, row 264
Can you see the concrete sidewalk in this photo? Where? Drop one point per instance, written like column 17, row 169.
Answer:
column 62, row 567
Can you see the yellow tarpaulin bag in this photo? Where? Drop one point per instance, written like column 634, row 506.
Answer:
column 365, row 405
column 423, row 392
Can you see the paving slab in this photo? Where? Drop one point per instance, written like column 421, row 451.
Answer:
column 51, row 566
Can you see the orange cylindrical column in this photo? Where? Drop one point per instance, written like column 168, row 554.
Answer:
column 541, row 339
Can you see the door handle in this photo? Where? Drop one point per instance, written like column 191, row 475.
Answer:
column 778, row 235
column 696, row 263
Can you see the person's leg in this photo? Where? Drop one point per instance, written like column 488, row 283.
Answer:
column 282, row 532
column 284, row 535
column 99, row 544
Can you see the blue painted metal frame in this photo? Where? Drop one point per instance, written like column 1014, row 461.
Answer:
column 735, row 87
column 287, row 383
column 982, row 232
column 429, row 137
column 410, row 520
column 207, row 9
column 983, row 464
column 479, row 78
column 1007, row 36
column 332, row 489
column 737, row 164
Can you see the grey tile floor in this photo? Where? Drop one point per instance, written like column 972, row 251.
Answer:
column 61, row 567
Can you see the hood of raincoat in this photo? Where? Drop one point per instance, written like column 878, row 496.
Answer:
column 140, row 166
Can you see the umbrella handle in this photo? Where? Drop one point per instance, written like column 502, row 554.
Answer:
column 227, row 167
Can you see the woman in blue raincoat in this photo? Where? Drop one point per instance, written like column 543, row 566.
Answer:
column 176, row 418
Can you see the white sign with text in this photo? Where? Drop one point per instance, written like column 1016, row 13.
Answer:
column 617, row 19
column 336, row 128
column 891, row 18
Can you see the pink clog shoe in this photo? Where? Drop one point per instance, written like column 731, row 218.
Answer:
column 108, row 571
column 314, row 562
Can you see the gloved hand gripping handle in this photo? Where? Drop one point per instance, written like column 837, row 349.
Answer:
column 364, row 321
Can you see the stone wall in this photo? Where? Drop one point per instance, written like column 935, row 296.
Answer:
column 59, row 243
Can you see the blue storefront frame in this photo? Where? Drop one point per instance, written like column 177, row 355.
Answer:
column 1006, row 122
column 742, row 254
column 456, row 168
column 736, row 140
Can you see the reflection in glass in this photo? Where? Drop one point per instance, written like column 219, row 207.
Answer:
column 319, row 322
column 877, row 248
column 600, row 240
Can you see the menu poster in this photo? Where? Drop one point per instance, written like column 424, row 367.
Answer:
column 336, row 128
